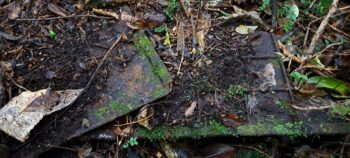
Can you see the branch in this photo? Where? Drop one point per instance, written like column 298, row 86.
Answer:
column 322, row 27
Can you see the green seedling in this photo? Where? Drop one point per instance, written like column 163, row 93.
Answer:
column 236, row 90
column 161, row 29
column 290, row 12
column 53, row 34
column 298, row 79
column 171, row 9
column 132, row 142
column 265, row 4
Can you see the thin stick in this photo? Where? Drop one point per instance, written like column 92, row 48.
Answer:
column 133, row 122
column 343, row 146
column 63, row 17
column 320, row 52
column 104, row 58
column 322, row 27
column 14, row 82
column 249, row 147
column 310, row 107
column 318, row 19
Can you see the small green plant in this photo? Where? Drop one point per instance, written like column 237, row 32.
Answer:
column 298, row 79
column 265, row 4
column 322, row 6
column 132, row 142
column 161, row 29
column 53, row 34
column 236, row 90
column 171, row 9
column 341, row 110
column 282, row 103
column 290, row 12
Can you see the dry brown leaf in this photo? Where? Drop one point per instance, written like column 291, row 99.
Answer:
column 180, row 36
column 200, row 39
column 125, row 132
column 186, row 6
column 56, row 9
column 190, row 110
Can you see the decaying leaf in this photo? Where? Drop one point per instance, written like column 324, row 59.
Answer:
column 84, row 151
column 203, row 26
column 19, row 116
column 180, row 36
column 200, row 39
column 245, row 29
column 56, row 9
column 125, row 132
column 144, row 116
column 269, row 76
column 14, row 10
column 190, row 110
column 186, row 6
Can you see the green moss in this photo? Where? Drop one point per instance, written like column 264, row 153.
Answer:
column 210, row 128
column 119, row 107
column 158, row 92
column 257, row 129
column 101, row 112
column 290, row 129
column 143, row 45
column 161, row 71
column 236, row 91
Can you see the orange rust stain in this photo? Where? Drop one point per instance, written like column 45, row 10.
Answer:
column 134, row 84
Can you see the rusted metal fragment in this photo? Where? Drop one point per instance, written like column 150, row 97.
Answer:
column 144, row 80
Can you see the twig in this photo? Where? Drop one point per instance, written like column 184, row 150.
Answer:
column 320, row 52
column 310, row 107
column 343, row 146
column 63, row 17
column 240, row 13
column 318, row 19
column 133, row 122
column 273, row 4
column 102, row 61
column 322, row 27
column 339, row 31
column 286, row 53
column 14, row 82
column 249, row 147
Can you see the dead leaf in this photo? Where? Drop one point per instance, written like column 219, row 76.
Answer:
column 57, row 9
column 14, row 11
column 245, row 29
column 186, row 6
column 180, row 36
column 125, row 132
column 269, row 76
column 84, row 151
column 144, row 116
column 190, row 110
column 19, row 116
column 200, row 40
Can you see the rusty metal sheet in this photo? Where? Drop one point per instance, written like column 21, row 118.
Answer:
column 144, row 80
